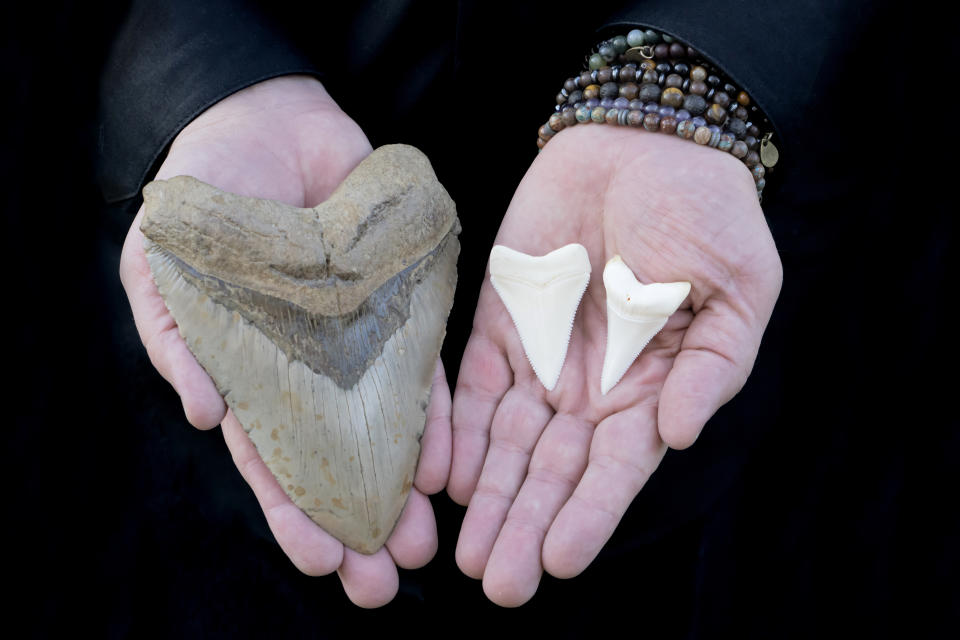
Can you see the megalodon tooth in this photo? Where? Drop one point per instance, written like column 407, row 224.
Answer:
column 541, row 294
column 320, row 326
column 635, row 313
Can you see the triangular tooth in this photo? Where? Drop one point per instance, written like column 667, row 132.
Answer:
column 542, row 295
column 635, row 313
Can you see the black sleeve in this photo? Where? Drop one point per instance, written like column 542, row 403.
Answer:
column 169, row 62
column 782, row 53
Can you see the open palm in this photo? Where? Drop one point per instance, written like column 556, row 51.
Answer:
column 549, row 474
column 286, row 140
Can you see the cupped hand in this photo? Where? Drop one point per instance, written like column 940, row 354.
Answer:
column 549, row 474
column 284, row 139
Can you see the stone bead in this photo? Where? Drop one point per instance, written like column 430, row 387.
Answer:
column 743, row 99
column 651, row 37
column 663, row 68
column 651, row 107
column 674, row 81
column 540, row 143
column 714, row 139
column 575, row 97
column 665, row 111
column 761, row 183
column 596, row 61
column 598, row 115
column 672, row 97
column 737, row 127
column 702, row 135
column 556, row 122
column 635, row 118
column 685, row 87
column 648, row 65
column 635, row 38
column 651, row 122
column 585, row 79
column 686, row 129
column 604, row 74
column 629, row 90
column 622, row 117
column 650, row 76
column 668, row 124
column 569, row 117
column 698, row 73
column 628, row 73
column 758, row 172
column 726, row 142
column 561, row 98
column 721, row 98
column 692, row 53
column 592, row 91
column 636, row 104
column 584, row 113
column 713, row 80
column 698, row 87
column 607, row 52
column 739, row 149
column 661, row 51
column 694, row 104
column 683, row 114
column 619, row 44
column 612, row 115
column 606, row 103
column 677, row 50
column 751, row 142
column 741, row 112
column 594, row 102
column 609, row 90
column 545, row 132
column 753, row 130
column 570, row 85
column 681, row 69
column 716, row 114
column 752, row 159
column 730, row 89
column 666, row 38
column 621, row 102
column 709, row 94
column 649, row 92
column 697, row 121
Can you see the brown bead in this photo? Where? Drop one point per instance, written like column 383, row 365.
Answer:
column 716, row 114
column 698, row 87
column 540, row 143
column 698, row 73
column 668, row 124
column 556, row 122
column 754, row 130
column 648, row 65
column 585, row 79
column 677, row 50
column 635, row 118
column 752, row 159
column 628, row 73
column 686, row 129
column 672, row 97
column 629, row 90
column 561, row 99
column 604, row 74
column 651, row 122
column 649, row 92
column 702, row 135
column 612, row 115
column 569, row 117
column 650, row 76
column 674, row 80
column 592, row 91
column 546, row 132
column 741, row 112
column 751, row 142
column 739, row 149
column 570, row 85
column 661, row 51
column 609, row 90
column 721, row 98
column 743, row 99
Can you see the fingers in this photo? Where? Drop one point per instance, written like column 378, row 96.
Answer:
column 625, row 450
column 513, row 571
column 311, row 549
column 369, row 581
column 435, row 446
column 716, row 356
column 202, row 403
column 519, row 421
column 485, row 376
column 413, row 542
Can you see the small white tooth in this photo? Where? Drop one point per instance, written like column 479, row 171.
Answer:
column 635, row 313
column 542, row 295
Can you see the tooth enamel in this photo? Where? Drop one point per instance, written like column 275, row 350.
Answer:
column 635, row 313
column 542, row 295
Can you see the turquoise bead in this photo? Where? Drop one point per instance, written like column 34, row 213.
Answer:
column 583, row 113
column 635, row 38
column 597, row 61
column 599, row 115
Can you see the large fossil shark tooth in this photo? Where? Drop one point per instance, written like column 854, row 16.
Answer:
column 635, row 313
column 321, row 327
column 542, row 295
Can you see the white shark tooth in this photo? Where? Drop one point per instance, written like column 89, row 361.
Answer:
column 320, row 326
column 542, row 295
column 635, row 313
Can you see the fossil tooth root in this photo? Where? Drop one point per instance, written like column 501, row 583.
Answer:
column 322, row 326
column 635, row 314
column 541, row 294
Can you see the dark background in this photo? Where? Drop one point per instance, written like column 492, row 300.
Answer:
column 820, row 502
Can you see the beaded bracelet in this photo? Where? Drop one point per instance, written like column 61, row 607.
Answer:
column 649, row 80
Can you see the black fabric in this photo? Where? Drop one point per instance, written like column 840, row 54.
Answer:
column 794, row 515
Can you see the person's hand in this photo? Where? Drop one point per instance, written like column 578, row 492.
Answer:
column 548, row 475
column 283, row 139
